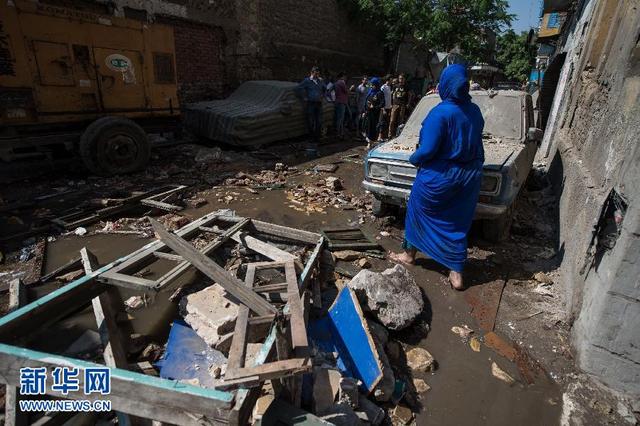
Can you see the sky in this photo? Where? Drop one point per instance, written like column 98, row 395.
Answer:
column 526, row 12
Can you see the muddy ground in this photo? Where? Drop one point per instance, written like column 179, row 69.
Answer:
column 514, row 281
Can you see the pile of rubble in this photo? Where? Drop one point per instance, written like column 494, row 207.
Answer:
column 326, row 192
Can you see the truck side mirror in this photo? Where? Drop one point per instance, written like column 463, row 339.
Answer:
column 535, row 134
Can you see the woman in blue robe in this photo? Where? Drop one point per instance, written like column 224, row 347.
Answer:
column 449, row 159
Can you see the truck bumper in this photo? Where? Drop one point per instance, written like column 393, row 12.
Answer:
column 400, row 196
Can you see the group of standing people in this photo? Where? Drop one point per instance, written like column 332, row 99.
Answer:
column 381, row 106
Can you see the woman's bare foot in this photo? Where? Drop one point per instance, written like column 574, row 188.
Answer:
column 405, row 257
column 455, row 278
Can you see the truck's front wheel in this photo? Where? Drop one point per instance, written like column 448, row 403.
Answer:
column 113, row 146
column 498, row 229
column 379, row 208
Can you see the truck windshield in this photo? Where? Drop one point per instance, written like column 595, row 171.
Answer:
column 502, row 116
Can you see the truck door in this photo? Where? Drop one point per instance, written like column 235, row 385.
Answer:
column 65, row 78
column 120, row 79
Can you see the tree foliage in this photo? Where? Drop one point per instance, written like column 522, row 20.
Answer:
column 439, row 25
column 514, row 56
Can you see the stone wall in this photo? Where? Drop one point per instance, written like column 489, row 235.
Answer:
column 593, row 139
column 297, row 35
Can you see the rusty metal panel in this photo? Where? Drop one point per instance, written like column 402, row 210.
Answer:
column 54, row 63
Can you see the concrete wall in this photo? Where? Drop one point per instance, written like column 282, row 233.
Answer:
column 593, row 139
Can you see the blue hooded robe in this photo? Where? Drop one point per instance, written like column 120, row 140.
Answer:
column 449, row 159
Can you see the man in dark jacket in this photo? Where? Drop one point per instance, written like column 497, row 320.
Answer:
column 312, row 90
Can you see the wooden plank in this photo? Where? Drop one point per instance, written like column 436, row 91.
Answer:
column 244, row 403
column 128, row 281
column 17, row 294
column 267, row 319
column 269, row 371
column 168, row 256
column 158, row 200
column 160, row 205
column 13, row 415
column 239, row 343
column 103, row 308
column 309, row 267
column 131, row 393
column 144, row 255
column 297, row 325
column 265, row 249
column 69, row 266
column 214, row 271
column 270, row 287
column 183, row 267
column 277, row 230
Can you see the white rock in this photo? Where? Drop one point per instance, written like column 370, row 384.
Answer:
column 210, row 313
column 392, row 296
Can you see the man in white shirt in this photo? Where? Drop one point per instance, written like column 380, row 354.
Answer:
column 386, row 111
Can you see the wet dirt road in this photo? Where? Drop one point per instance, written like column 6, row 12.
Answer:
column 463, row 390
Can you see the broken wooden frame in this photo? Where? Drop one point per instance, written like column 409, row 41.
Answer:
column 236, row 371
column 133, row 392
column 348, row 239
column 83, row 217
column 123, row 274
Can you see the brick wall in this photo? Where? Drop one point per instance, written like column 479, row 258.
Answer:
column 200, row 63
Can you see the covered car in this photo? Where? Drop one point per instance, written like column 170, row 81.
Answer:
column 257, row 113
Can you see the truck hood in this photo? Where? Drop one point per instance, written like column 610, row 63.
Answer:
column 496, row 151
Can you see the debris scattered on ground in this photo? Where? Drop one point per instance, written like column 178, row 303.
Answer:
column 421, row 360
column 347, row 255
column 543, row 278
column 364, row 263
column 475, row 344
column 463, row 331
column 196, row 202
column 501, row 374
column 135, row 302
column 421, row 386
column 334, row 183
column 80, row 231
column 329, row 168
column 393, row 297
column 402, row 415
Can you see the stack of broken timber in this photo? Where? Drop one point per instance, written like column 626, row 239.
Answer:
column 288, row 322
column 284, row 355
